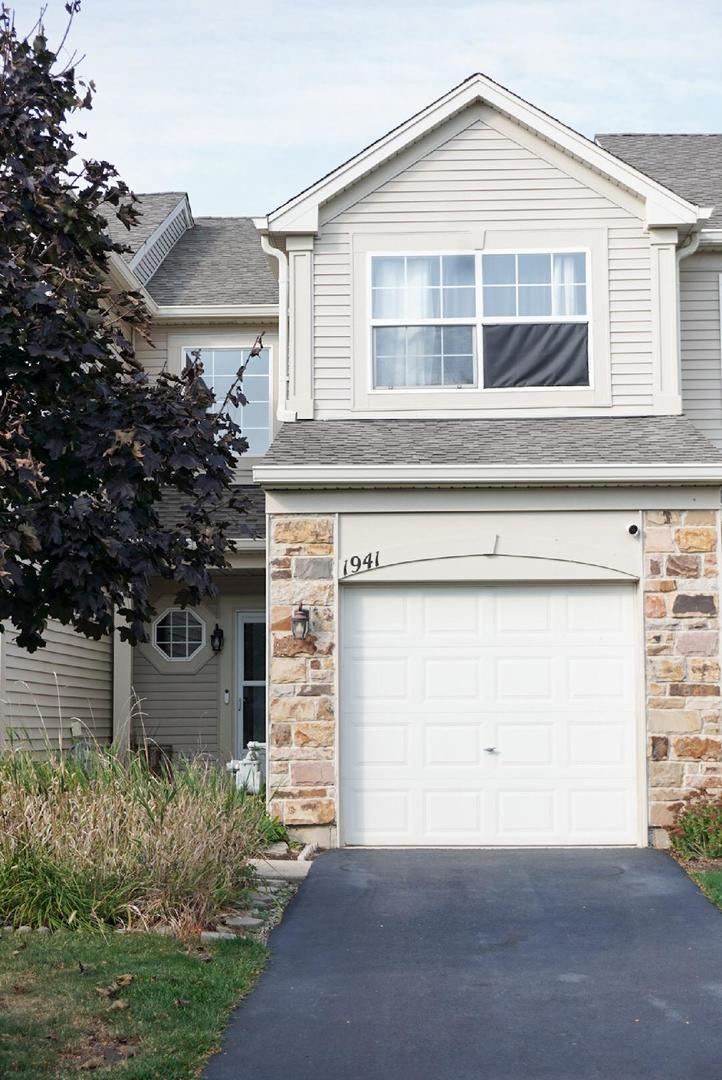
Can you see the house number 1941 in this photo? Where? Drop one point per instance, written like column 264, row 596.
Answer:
column 355, row 563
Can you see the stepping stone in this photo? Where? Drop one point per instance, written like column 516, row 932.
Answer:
column 208, row 936
column 243, row 922
column 274, row 850
column 280, row 869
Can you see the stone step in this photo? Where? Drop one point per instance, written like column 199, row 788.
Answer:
column 280, row 869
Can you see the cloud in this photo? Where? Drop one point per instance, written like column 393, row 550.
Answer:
column 237, row 101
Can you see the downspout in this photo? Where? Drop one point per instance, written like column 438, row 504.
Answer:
column 283, row 413
column 684, row 252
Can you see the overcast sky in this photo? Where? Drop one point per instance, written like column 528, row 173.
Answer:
column 243, row 103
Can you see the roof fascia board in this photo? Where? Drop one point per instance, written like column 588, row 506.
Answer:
column 300, row 214
column 214, row 312
column 501, row 475
column 123, row 276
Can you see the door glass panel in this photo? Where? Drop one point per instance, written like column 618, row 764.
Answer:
column 252, row 682
column 254, row 652
column 254, row 714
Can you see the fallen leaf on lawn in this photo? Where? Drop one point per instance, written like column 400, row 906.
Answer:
column 201, row 954
column 181, row 1003
column 119, row 1003
column 124, row 980
column 107, row 991
column 17, row 989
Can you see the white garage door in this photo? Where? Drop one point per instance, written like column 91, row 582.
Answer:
column 489, row 715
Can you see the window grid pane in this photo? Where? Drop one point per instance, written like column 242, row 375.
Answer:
column 219, row 370
column 532, row 285
column 424, row 356
column 178, row 634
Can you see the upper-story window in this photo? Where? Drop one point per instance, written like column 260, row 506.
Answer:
column 219, row 371
column 497, row 320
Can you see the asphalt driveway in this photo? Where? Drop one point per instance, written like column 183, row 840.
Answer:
column 487, row 965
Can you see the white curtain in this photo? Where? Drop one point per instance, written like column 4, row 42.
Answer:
column 569, row 292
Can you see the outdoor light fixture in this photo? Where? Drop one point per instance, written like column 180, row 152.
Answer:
column 217, row 639
column 300, row 621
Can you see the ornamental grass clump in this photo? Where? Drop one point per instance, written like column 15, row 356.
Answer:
column 697, row 830
column 94, row 840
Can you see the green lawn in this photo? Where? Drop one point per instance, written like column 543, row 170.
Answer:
column 55, row 1023
column 710, row 882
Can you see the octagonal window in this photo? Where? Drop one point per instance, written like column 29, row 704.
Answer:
column 179, row 634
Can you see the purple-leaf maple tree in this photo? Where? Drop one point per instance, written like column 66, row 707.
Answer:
column 88, row 443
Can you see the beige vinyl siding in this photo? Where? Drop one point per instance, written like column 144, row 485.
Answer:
column 183, row 708
column 177, row 709
column 483, row 179
column 46, row 692
column 700, row 342
column 153, row 355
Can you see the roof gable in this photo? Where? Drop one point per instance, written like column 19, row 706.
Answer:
column 663, row 206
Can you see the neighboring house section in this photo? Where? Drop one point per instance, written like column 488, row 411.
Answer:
column 692, row 166
column 210, row 289
column 59, row 695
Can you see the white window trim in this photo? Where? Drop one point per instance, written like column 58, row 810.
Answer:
column 178, row 659
column 479, row 320
column 243, row 617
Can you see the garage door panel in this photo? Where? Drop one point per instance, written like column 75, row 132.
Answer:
column 449, row 815
column 377, row 678
column 444, row 613
column 423, row 706
column 529, row 614
column 451, row 677
column 452, row 744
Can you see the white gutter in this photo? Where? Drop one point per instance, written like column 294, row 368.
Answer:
column 494, row 475
column 283, row 413
column 183, row 312
column 711, row 236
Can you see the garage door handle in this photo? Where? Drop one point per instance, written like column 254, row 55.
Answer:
column 490, row 750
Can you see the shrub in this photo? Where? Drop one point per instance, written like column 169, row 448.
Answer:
column 697, row 831
column 92, row 841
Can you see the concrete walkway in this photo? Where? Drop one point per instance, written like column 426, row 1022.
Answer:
column 487, row 965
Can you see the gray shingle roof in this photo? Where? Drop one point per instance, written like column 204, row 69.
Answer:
column 248, row 522
column 154, row 208
column 218, row 261
column 690, row 165
column 598, row 440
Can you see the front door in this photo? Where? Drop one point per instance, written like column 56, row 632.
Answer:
column 251, row 668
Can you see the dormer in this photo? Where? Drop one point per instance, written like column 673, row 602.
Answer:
column 481, row 259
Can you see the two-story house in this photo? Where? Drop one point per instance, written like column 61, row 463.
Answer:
column 493, row 397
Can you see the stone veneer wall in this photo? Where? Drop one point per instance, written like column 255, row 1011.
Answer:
column 681, row 607
column 302, row 721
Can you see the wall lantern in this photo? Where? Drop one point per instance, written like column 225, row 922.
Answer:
column 217, row 639
column 300, row 621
